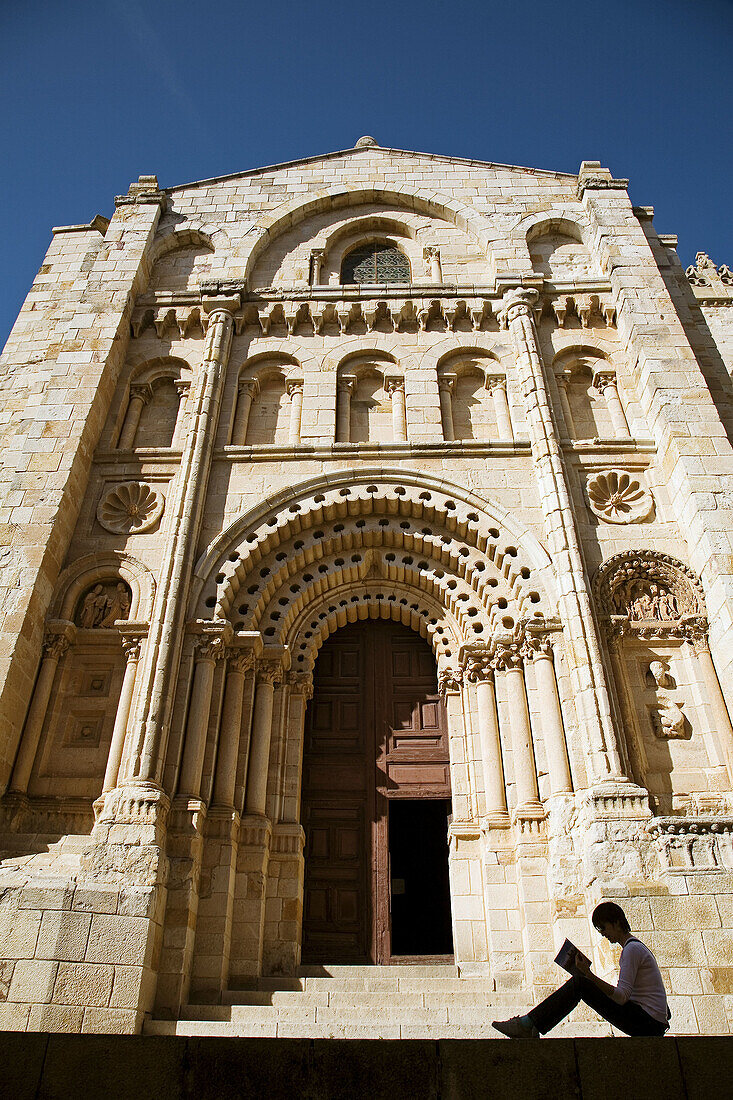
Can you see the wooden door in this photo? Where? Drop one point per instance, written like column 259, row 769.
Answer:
column 375, row 730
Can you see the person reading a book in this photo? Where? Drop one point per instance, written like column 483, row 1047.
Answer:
column 636, row 1005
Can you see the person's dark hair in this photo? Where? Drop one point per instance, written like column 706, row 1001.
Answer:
column 608, row 912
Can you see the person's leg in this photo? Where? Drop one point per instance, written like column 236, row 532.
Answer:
column 548, row 1013
column 629, row 1018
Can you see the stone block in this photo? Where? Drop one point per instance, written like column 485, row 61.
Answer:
column 607, row 1069
column 21, row 1058
column 33, row 981
column 63, row 1018
column 706, row 1064
column 63, row 935
column 14, row 1016
column 255, row 1068
column 516, row 1070
column 110, row 1021
column 19, row 933
column 124, row 1067
column 87, row 984
column 120, row 940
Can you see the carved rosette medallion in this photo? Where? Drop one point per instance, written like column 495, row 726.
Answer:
column 618, row 497
column 129, row 508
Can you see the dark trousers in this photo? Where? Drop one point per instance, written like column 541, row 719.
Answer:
column 629, row 1018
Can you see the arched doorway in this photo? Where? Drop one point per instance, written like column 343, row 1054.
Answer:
column 376, row 801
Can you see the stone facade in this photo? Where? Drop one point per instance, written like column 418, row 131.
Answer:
column 215, row 454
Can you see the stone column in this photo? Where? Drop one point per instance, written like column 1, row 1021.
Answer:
column 432, row 255
column 140, row 394
column 538, row 650
column 240, row 662
column 497, row 388
column 586, row 669
column 209, row 650
column 395, row 387
column 317, row 255
column 59, row 636
column 509, row 659
column 295, row 393
column 479, row 672
column 345, row 388
column 445, row 392
column 246, row 392
column 464, row 837
column 605, row 383
column 286, row 871
column 183, row 385
column 151, row 721
column 721, row 717
column 567, row 414
column 269, row 672
column 131, row 648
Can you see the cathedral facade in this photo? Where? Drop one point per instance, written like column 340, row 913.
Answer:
column 366, row 591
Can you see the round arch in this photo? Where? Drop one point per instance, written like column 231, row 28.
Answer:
column 434, row 204
column 93, row 568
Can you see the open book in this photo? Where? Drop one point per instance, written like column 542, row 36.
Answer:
column 568, row 956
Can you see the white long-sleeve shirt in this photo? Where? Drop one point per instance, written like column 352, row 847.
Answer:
column 640, row 981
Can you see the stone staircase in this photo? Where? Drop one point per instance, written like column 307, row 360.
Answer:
column 364, row 1002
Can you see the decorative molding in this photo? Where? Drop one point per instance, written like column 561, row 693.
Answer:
column 694, row 844
column 130, row 508
column 617, row 497
column 450, row 680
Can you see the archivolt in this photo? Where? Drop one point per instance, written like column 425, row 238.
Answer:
column 392, row 536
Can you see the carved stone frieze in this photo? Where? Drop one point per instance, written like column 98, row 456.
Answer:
column 694, row 844
column 618, row 497
column 130, row 507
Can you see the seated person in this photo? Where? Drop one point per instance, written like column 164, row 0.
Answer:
column 637, row 1005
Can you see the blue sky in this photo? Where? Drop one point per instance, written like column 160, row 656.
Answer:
column 96, row 93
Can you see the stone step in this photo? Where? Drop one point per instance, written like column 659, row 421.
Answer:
column 348, row 970
column 427, row 997
column 274, row 1027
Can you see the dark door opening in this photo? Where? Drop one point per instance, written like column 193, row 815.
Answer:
column 420, row 913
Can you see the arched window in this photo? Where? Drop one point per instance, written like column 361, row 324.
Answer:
column 375, row 263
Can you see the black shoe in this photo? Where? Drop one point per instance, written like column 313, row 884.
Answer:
column 515, row 1028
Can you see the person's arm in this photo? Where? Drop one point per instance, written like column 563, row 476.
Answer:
column 621, row 992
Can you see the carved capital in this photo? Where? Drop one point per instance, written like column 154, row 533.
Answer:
column 518, row 302
column 508, row 657
column 449, row 680
column 293, row 388
column 248, row 386
column 226, row 305
column 346, row 383
column 240, row 660
column 301, row 683
column 537, row 646
column 269, row 671
column 56, row 644
column 143, row 391
column 394, row 385
column 447, row 382
column 131, row 647
column 478, row 667
column 431, row 252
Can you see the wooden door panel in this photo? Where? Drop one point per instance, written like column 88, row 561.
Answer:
column 375, row 729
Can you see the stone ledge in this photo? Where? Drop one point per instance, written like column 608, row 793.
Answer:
column 138, row 1068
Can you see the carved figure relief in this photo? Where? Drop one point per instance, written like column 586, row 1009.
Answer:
column 645, row 587
column 103, row 605
column 130, row 507
column 617, row 497
column 668, row 720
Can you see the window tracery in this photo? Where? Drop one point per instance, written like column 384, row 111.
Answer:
column 375, row 263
